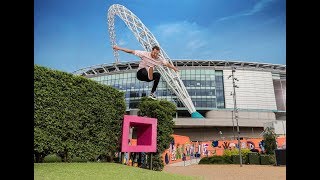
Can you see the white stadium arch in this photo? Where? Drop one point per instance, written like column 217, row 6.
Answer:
column 147, row 41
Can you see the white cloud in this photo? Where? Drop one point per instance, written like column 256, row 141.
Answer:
column 259, row 6
column 226, row 52
column 180, row 40
column 196, row 44
column 170, row 29
column 122, row 42
column 183, row 39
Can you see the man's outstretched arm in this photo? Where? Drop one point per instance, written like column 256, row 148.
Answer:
column 171, row 66
column 123, row 49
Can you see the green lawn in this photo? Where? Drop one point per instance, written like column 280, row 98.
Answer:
column 98, row 171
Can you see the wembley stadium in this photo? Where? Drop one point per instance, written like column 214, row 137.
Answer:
column 260, row 95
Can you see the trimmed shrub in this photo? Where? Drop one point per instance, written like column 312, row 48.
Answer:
column 215, row 160
column 272, row 159
column 266, row 159
column 52, row 158
column 236, row 159
column 235, row 152
column 253, row 158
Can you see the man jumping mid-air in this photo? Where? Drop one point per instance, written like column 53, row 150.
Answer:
column 147, row 64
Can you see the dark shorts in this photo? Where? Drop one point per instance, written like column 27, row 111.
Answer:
column 142, row 75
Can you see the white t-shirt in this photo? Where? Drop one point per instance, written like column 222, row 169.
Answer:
column 147, row 61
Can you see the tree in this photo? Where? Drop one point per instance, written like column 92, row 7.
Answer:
column 163, row 111
column 270, row 140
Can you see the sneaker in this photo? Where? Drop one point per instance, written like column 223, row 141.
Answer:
column 152, row 96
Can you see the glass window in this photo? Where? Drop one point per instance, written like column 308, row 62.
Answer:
column 144, row 94
column 134, row 103
column 276, row 84
column 280, row 94
column 283, row 84
column 134, row 93
column 275, row 76
column 205, row 86
column 219, row 90
column 218, row 73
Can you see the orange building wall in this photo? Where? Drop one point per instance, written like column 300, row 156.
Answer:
column 184, row 141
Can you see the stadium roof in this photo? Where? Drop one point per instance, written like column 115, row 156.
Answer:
column 100, row 69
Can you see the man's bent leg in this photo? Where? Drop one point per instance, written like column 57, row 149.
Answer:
column 156, row 77
column 150, row 73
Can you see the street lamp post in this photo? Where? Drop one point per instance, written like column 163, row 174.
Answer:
column 234, row 137
column 235, row 110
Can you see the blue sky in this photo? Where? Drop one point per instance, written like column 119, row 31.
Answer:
column 73, row 34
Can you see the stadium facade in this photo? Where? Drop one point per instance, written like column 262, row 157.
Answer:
column 260, row 98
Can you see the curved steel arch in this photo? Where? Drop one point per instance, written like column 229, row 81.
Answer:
column 147, row 41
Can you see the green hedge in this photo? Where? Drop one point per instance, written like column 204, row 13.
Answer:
column 253, row 158
column 249, row 158
column 216, row 160
column 75, row 116
column 236, row 159
column 235, row 152
column 267, row 159
column 52, row 158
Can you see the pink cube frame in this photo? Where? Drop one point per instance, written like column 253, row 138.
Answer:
column 146, row 134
